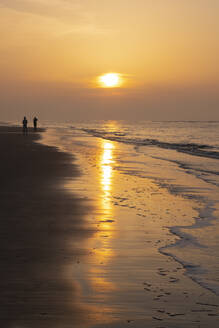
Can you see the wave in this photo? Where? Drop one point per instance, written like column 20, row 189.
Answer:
column 188, row 148
column 196, row 272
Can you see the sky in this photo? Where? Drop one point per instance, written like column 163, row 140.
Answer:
column 165, row 51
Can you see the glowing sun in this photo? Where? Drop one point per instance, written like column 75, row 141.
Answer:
column 110, row 80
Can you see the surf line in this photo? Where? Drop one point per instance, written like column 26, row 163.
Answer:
column 202, row 220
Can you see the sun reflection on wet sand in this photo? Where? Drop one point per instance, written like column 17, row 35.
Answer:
column 103, row 238
column 106, row 162
column 100, row 244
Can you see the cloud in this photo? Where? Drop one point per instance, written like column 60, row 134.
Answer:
column 73, row 14
column 42, row 7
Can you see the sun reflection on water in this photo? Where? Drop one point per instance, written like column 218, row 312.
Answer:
column 106, row 168
column 104, row 236
column 106, row 162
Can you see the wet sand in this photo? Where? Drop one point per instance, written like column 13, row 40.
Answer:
column 38, row 221
column 132, row 273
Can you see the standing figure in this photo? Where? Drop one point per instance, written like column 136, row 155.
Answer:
column 25, row 126
column 35, row 123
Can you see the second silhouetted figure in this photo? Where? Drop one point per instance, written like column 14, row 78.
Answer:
column 35, row 123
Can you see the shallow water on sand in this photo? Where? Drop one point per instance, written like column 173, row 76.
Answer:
column 154, row 256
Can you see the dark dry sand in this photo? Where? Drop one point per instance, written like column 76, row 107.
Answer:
column 39, row 222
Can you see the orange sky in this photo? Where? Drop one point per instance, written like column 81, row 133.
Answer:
column 52, row 51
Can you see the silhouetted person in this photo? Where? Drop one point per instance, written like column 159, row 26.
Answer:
column 35, row 123
column 25, row 126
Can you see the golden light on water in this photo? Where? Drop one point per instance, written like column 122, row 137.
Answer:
column 102, row 240
column 110, row 80
column 106, row 166
column 106, row 179
column 106, row 182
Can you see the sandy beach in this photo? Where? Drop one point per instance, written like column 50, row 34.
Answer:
column 84, row 245
column 38, row 218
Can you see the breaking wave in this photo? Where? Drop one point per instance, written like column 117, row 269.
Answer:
column 188, row 148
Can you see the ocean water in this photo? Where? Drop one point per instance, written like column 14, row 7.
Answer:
column 153, row 183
